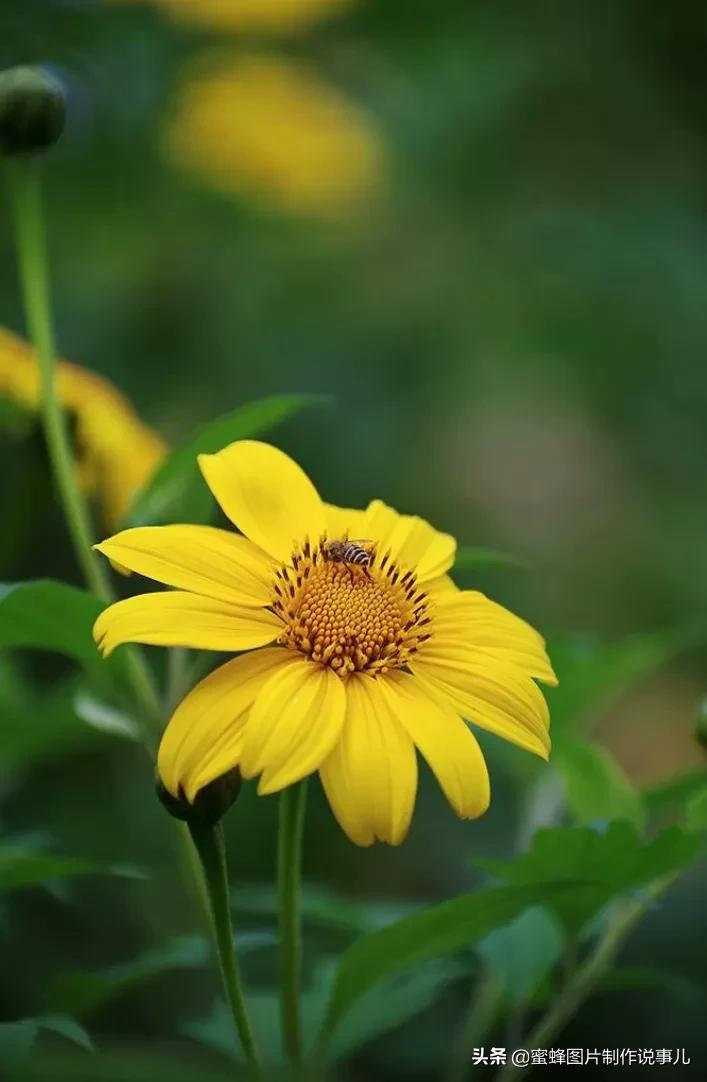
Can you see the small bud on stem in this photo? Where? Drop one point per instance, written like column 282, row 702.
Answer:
column 211, row 803
column 32, row 111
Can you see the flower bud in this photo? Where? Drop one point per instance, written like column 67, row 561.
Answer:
column 211, row 803
column 32, row 111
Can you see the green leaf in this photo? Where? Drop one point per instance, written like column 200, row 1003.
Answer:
column 615, row 861
column 17, row 1039
column 38, row 723
column 593, row 673
column 177, row 492
column 596, row 787
column 435, row 932
column 668, row 798
column 637, row 978
column 392, row 1003
column 383, row 1008
column 521, row 954
column 81, row 993
column 322, row 907
column 696, row 811
column 67, row 1027
column 47, row 615
column 20, row 869
column 105, row 718
column 469, row 558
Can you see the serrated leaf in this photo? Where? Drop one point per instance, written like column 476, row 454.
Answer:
column 521, row 954
column 434, row 933
column 696, row 811
column 596, row 788
column 616, row 861
column 176, row 492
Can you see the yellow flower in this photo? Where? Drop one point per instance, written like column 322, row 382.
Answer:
column 115, row 451
column 255, row 124
column 371, row 660
column 256, row 15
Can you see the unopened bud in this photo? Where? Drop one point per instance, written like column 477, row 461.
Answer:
column 211, row 803
column 32, row 111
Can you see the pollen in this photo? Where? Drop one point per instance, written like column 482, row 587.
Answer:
column 348, row 617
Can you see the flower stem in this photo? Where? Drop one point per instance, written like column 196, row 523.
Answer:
column 480, row 1017
column 209, row 844
column 26, row 196
column 585, row 979
column 26, row 199
column 289, row 861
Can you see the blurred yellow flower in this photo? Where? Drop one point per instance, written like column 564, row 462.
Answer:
column 378, row 654
column 255, row 124
column 115, row 451
column 255, row 15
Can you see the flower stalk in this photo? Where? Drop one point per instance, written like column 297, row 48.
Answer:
column 30, row 235
column 586, row 977
column 209, row 843
column 289, row 862
column 27, row 213
column 26, row 199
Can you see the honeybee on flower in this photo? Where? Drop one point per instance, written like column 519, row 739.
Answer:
column 347, row 676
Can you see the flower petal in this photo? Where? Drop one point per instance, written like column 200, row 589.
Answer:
column 370, row 778
column 491, row 693
column 441, row 584
column 412, row 542
column 448, row 745
column 293, row 725
column 266, row 495
column 204, row 738
column 344, row 522
column 200, row 559
column 175, row 618
column 470, row 620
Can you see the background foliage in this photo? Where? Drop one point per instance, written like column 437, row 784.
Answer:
column 510, row 331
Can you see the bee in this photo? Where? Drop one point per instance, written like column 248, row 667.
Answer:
column 350, row 553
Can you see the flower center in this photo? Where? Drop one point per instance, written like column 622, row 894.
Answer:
column 352, row 616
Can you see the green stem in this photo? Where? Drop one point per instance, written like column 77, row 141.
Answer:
column 289, row 860
column 586, row 977
column 480, row 1017
column 26, row 198
column 212, row 854
column 25, row 192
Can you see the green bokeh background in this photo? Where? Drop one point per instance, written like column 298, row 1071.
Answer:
column 514, row 342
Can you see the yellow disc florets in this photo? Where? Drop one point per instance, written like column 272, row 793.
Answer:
column 347, row 615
